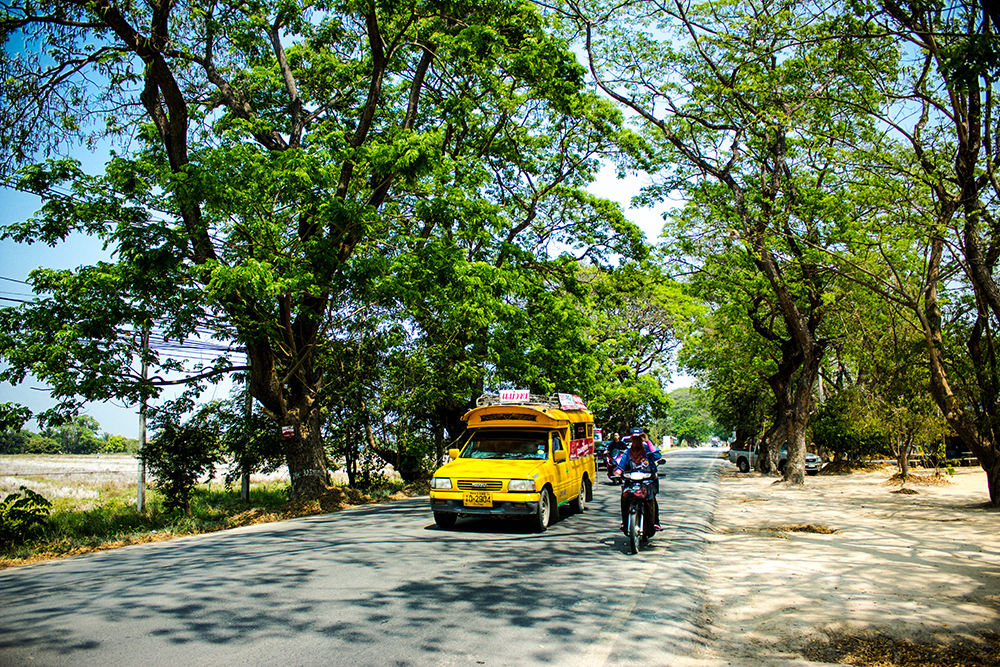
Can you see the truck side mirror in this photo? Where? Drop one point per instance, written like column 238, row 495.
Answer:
column 453, row 454
column 560, row 455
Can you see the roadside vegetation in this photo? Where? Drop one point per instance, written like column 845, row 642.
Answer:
column 75, row 514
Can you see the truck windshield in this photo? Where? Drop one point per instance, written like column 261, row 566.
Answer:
column 504, row 444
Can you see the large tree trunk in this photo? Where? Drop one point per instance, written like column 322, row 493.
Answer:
column 291, row 403
column 781, row 383
column 798, row 417
column 306, row 459
column 993, row 481
column 770, row 445
column 903, row 449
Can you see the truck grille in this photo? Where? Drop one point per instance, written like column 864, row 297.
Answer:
column 480, row 485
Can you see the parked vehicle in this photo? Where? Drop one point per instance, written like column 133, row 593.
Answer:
column 639, row 524
column 600, row 452
column 745, row 459
column 523, row 456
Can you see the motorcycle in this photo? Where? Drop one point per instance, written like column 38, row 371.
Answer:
column 639, row 526
column 610, row 464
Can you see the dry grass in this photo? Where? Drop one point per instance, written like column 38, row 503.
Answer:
column 94, row 505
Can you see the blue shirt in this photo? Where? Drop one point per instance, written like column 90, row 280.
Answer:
column 625, row 464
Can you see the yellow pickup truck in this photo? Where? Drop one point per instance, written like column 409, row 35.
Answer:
column 522, row 455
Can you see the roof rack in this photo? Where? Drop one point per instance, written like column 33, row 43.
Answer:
column 533, row 399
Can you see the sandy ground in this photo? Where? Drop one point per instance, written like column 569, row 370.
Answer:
column 916, row 568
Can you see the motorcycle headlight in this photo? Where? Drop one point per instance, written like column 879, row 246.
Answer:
column 441, row 483
column 521, row 485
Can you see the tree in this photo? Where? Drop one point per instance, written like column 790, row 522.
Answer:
column 183, row 451
column 746, row 116
column 77, row 436
column 275, row 141
column 954, row 146
column 688, row 420
column 846, row 428
column 928, row 243
column 726, row 358
column 638, row 317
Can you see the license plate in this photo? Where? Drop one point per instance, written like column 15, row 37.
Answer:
column 477, row 499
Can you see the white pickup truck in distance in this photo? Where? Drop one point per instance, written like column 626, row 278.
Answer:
column 746, row 458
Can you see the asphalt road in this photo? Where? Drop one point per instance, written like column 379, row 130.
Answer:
column 380, row 585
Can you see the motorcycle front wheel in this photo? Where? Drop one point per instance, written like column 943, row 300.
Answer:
column 634, row 527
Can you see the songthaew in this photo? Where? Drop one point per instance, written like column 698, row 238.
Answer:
column 522, row 456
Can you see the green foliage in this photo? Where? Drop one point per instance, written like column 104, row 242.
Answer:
column 13, row 416
column 182, row 452
column 841, row 428
column 731, row 364
column 637, row 317
column 79, row 435
column 20, row 513
column 26, row 442
column 428, row 160
column 687, row 418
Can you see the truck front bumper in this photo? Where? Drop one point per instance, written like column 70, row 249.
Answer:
column 500, row 507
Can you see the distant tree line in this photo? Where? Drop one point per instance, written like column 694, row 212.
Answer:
column 81, row 435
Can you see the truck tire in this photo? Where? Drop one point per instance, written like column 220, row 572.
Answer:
column 743, row 464
column 543, row 516
column 579, row 504
column 445, row 520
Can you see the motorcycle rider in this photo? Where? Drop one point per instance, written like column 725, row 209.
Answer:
column 614, row 450
column 640, row 457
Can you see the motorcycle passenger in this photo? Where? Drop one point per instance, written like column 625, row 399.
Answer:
column 639, row 458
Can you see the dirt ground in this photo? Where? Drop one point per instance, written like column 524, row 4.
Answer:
column 847, row 569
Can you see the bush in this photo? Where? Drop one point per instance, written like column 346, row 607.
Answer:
column 181, row 454
column 20, row 512
column 837, row 429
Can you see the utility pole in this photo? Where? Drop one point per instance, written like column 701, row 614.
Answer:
column 140, row 490
column 245, row 478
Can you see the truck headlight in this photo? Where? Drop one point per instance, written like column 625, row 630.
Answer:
column 440, row 482
column 521, row 485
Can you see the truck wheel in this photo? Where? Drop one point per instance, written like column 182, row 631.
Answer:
column 445, row 520
column 579, row 504
column 543, row 517
column 743, row 465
